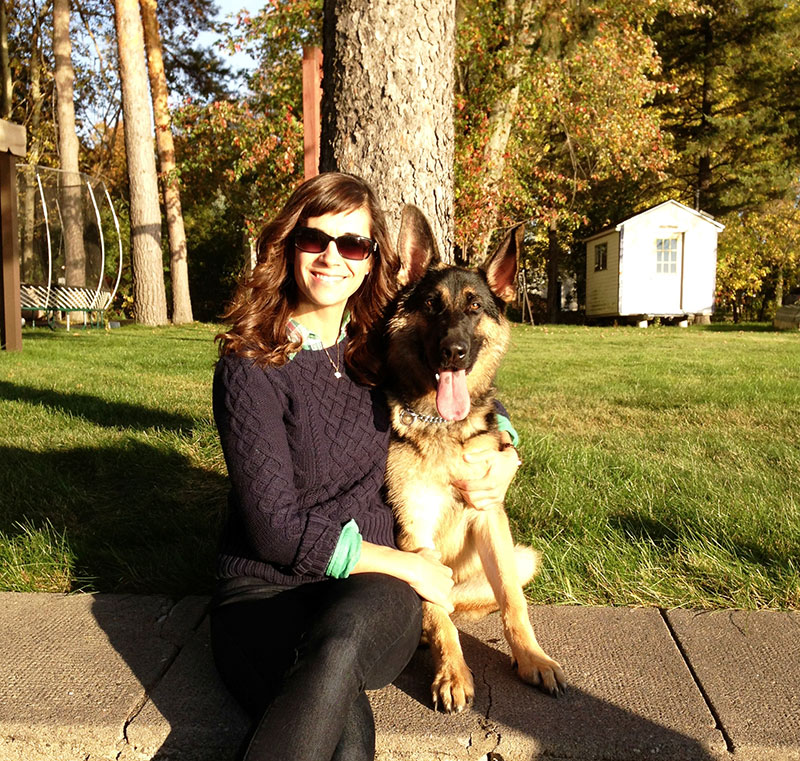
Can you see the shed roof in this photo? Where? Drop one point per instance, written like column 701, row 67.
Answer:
column 705, row 217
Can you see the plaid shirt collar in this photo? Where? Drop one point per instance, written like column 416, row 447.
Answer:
column 308, row 339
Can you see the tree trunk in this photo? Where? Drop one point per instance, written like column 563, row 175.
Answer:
column 779, row 281
column 5, row 65
column 70, row 181
column 28, row 197
column 553, row 266
column 706, row 107
column 150, row 300
column 387, row 104
column 178, row 267
column 519, row 17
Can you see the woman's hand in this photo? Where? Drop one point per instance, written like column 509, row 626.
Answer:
column 422, row 570
column 489, row 473
column 433, row 581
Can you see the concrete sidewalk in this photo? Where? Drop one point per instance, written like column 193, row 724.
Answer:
column 96, row 677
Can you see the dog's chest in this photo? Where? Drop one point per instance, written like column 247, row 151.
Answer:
column 427, row 507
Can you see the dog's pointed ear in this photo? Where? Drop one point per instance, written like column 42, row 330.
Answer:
column 416, row 245
column 501, row 267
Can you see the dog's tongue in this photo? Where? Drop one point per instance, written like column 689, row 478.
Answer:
column 452, row 397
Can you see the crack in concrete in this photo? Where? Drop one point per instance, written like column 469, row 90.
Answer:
column 736, row 625
column 162, row 620
column 696, row 679
column 488, row 727
column 488, row 692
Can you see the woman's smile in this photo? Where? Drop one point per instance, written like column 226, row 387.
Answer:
column 327, row 277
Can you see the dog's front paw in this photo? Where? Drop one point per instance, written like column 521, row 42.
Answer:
column 541, row 671
column 453, row 688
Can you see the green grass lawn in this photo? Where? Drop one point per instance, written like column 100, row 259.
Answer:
column 660, row 465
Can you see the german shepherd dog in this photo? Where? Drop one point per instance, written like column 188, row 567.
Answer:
column 445, row 340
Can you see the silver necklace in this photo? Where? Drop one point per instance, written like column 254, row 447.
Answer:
column 335, row 366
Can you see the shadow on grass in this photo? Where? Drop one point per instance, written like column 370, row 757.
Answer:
column 739, row 327
column 136, row 518
column 201, row 339
column 96, row 410
column 675, row 536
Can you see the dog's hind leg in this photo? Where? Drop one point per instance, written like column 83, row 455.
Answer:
column 496, row 549
column 453, row 687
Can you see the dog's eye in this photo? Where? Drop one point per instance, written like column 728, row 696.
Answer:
column 430, row 303
column 474, row 307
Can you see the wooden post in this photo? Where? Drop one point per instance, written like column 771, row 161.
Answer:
column 12, row 144
column 312, row 95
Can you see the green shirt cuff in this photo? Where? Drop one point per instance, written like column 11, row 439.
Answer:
column 504, row 424
column 347, row 552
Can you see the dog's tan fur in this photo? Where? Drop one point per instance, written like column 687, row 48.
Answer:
column 424, row 460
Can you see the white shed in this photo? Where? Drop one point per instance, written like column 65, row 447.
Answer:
column 661, row 262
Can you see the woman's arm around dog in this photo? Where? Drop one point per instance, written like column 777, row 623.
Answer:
column 422, row 570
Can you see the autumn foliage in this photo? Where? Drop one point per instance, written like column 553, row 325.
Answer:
column 569, row 116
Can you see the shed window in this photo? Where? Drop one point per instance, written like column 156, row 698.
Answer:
column 667, row 255
column 600, row 257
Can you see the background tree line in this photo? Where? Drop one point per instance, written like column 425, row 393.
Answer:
column 568, row 116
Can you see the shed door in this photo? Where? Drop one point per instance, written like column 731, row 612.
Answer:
column 667, row 296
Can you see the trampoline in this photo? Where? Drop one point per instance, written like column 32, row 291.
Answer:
column 66, row 223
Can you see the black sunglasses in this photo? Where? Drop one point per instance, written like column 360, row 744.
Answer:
column 314, row 241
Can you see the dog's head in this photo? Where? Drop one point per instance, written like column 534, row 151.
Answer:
column 448, row 333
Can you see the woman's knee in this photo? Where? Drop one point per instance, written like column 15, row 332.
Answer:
column 373, row 627
column 387, row 603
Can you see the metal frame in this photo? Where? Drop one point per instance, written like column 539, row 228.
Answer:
column 58, row 298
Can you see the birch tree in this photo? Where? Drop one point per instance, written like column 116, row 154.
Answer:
column 178, row 266
column 150, row 301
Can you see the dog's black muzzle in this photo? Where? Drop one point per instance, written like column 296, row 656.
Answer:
column 453, row 351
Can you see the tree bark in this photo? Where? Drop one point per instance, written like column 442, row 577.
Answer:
column 387, row 104
column 150, row 300
column 70, row 181
column 519, row 17
column 779, row 282
column 706, row 108
column 178, row 265
column 553, row 267
column 28, row 197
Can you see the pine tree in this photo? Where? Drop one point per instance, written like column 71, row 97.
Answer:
column 724, row 109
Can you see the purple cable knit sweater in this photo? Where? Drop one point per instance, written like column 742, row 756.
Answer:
column 305, row 453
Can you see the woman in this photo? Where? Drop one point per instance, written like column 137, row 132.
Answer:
column 315, row 604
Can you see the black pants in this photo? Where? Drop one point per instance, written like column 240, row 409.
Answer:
column 299, row 662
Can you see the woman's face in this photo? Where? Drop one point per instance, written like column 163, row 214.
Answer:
column 325, row 281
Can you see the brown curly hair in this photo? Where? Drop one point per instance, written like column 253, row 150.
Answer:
column 264, row 299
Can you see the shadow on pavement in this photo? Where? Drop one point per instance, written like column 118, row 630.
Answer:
column 577, row 725
column 188, row 716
